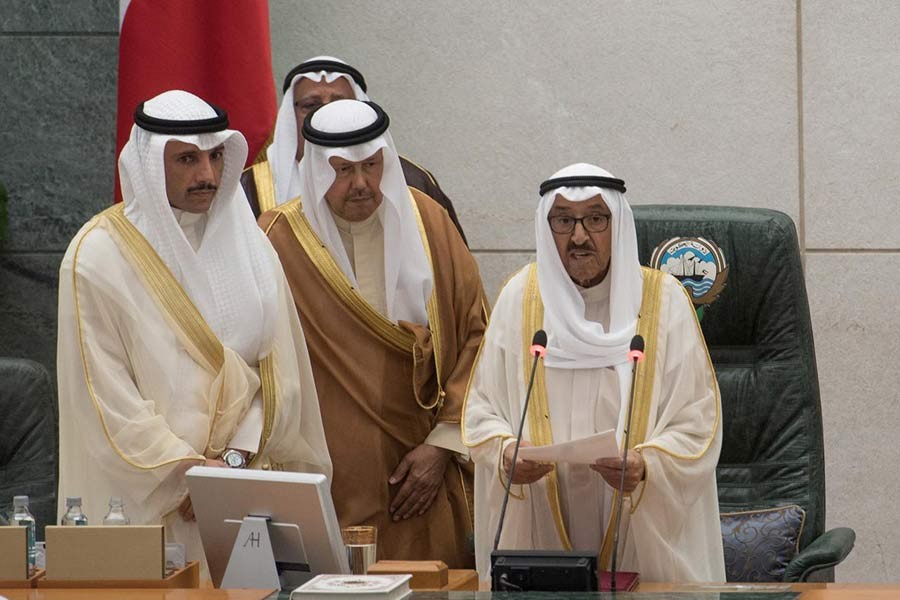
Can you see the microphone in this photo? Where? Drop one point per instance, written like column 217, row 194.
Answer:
column 538, row 350
column 635, row 356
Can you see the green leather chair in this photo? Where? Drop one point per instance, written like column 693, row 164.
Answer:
column 760, row 339
column 28, row 442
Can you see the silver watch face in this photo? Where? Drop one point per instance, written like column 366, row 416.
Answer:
column 234, row 459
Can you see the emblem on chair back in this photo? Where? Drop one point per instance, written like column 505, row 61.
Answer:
column 697, row 263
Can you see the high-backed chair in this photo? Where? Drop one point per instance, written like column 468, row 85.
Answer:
column 760, row 340
column 28, row 441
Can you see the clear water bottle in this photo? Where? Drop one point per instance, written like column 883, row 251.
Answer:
column 116, row 514
column 21, row 516
column 74, row 515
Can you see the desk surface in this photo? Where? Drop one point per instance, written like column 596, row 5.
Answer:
column 808, row 591
column 121, row 594
column 647, row 591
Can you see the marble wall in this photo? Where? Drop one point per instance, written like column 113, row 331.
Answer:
column 791, row 105
column 57, row 145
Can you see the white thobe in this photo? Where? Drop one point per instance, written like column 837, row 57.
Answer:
column 250, row 429
column 670, row 533
column 136, row 409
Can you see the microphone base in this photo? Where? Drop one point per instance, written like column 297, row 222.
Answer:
column 543, row 571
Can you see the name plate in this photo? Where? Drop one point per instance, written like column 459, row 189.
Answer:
column 131, row 552
column 14, row 550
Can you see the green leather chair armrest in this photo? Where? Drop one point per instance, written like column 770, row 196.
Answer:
column 827, row 550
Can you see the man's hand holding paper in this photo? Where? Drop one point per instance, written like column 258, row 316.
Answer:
column 610, row 469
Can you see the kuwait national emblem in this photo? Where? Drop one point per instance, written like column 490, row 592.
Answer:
column 697, row 263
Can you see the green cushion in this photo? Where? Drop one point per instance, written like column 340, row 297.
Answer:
column 760, row 339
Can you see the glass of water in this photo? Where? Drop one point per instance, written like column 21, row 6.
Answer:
column 360, row 542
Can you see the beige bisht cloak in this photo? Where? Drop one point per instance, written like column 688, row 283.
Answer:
column 670, row 525
column 379, row 390
column 146, row 390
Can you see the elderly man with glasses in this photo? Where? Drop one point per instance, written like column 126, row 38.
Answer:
column 588, row 291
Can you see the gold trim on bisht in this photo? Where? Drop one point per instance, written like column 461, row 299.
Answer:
column 164, row 288
column 539, row 412
column 269, row 402
column 174, row 302
column 647, row 327
column 386, row 329
column 434, row 321
column 265, row 186
column 92, row 224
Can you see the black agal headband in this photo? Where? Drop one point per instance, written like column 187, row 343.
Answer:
column 176, row 127
column 342, row 139
column 332, row 66
column 610, row 183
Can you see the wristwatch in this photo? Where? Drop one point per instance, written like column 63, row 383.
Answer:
column 234, row 459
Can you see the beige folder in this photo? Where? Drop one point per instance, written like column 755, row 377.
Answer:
column 132, row 552
column 14, row 553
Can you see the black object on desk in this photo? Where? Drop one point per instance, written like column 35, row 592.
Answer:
column 543, row 571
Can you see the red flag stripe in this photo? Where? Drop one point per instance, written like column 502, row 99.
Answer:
column 220, row 51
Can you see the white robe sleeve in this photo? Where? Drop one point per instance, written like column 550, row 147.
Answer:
column 250, row 429
column 449, row 437
column 297, row 440
column 110, row 432
column 677, row 505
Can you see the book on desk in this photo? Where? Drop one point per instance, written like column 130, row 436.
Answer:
column 348, row 587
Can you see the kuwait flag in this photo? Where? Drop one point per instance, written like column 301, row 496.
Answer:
column 217, row 49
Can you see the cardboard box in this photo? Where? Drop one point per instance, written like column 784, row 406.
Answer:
column 426, row 574
column 14, row 550
column 134, row 552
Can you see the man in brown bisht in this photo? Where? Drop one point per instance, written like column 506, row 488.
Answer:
column 392, row 306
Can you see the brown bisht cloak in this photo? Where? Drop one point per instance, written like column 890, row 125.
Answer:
column 377, row 381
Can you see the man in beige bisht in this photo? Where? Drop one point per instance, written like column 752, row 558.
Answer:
column 178, row 341
column 391, row 303
column 309, row 85
column 588, row 291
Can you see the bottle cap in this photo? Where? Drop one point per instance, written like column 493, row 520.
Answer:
column 115, row 500
column 73, row 501
column 20, row 500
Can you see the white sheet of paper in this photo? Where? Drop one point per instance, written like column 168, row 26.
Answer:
column 583, row 451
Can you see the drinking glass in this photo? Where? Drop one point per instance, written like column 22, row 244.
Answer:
column 360, row 543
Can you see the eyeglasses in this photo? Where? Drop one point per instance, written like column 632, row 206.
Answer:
column 594, row 223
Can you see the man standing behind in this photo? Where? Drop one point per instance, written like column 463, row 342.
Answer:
column 178, row 341
column 308, row 86
column 590, row 294
column 391, row 302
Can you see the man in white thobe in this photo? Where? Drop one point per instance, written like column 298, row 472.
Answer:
column 179, row 344
column 588, row 291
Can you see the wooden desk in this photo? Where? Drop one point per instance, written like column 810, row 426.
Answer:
column 122, row 594
column 808, row 591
